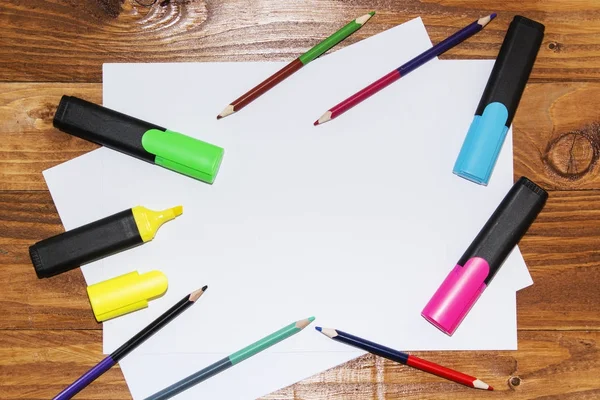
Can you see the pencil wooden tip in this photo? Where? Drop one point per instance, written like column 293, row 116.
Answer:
column 227, row 111
column 324, row 118
column 479, row 384
column 486, row 20
column 330, row 333
column 303, row 323
column 361, row 20
column 196, row 294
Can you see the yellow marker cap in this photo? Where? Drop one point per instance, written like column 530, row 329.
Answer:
column 148, row 221
column 125, row 293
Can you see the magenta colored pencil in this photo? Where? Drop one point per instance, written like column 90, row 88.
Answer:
column 411, row 65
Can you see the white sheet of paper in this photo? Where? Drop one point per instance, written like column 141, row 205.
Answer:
column 340, row 221
column 356, row 221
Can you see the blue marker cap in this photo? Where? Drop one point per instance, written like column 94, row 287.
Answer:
column 500, row 100
column 482, row 145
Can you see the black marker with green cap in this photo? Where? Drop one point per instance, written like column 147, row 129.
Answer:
column 137, row 138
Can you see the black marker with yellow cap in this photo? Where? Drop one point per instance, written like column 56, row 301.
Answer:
column 98, row 239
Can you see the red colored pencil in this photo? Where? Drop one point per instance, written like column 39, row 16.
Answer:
column 404, row 358
column 401, row 71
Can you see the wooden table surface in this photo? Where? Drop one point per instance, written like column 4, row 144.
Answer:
column 48, row 336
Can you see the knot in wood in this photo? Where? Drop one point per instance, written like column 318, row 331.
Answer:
column 572, row 155
column 555, row 46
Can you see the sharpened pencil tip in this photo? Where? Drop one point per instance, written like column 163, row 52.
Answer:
column 362, row 20
column 324, row 118
column 204, row 288
column 195, row 295
column 483, row 21
column 303, row 323
column 318, row 328
column 330, row 333
column 479, row 384
column 226, row 111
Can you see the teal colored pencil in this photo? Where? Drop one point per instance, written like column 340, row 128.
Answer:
column 232, row 360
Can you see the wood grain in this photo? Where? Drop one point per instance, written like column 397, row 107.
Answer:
column 30, row 144
column 548, row 365
column 556, row 134
column 67, row 41
column 28, row 302
column 39, row 364
column 561, row 251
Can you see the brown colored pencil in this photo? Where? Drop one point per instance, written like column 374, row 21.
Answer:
column 295, row 65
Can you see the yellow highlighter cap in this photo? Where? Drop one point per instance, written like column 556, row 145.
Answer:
column 125, row 293
column 148, row 221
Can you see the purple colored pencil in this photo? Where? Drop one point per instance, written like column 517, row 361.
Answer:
column 409, row 66
column 131, row 344
column 445, row 45
column 86, row 379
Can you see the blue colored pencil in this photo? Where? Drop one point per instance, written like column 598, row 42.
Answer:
column 404, row 358
column 411, row 65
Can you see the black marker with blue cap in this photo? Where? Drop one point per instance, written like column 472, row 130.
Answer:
column 500, row 100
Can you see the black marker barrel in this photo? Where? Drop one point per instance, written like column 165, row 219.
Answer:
column 103, row 126
column 98, row 239
column 507, row 225
column 85, row 244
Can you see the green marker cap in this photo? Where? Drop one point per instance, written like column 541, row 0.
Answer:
column 184, row 154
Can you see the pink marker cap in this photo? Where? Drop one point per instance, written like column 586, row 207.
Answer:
column 456, row 295
column 484, row 257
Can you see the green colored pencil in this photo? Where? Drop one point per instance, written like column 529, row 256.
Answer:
column 295, row 65
column 231, row 360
